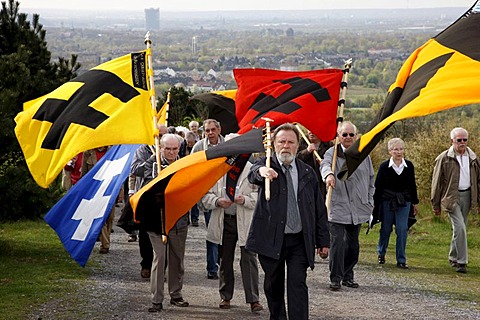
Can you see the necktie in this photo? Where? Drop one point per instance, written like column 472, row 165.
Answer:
column 293, row 216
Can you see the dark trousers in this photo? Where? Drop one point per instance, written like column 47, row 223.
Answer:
column 194, row 213
column 146, row 249
column 294, row 255
column 344, row 250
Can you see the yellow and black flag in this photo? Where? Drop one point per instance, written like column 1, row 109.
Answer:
column 107, row 105
column 180, row 185
column 441, row 74
column 221, row 107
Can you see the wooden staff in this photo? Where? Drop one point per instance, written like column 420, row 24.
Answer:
column 348, row 65
column 305, row 138
column 153, row 102
column 268, row 151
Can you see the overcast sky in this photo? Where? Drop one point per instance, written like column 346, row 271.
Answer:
column 214, row 5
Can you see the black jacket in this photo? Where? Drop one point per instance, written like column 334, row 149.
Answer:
column 268, row 223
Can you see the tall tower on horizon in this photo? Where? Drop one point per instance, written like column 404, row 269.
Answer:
column 152, row 19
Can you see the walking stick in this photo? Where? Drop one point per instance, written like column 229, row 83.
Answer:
column 348, row 65
column 268, row 151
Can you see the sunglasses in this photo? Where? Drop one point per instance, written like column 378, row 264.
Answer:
column 348, row 134
column 462, row 140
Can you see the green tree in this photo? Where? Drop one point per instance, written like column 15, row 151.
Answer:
column 27, row 73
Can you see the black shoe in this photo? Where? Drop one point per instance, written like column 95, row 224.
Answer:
column 194, row 223
column 402, row 265
column 212, row 276
column 453, row 263
column 335, row 286
column 461, row 268
column 381, row 259
column 179, row 302
column 156, row 307
column 350, row 283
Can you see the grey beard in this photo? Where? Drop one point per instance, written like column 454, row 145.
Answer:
column 286, row 158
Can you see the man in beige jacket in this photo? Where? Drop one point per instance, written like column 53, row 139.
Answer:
column 229, row 224
column 455, row 185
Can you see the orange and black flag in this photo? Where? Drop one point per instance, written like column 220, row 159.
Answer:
column 221, row 107
column 180, row 185
column 441, row 74
column 107, row 105
column 308, row 97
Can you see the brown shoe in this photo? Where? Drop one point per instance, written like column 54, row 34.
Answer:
column 104, row 250
column 224, row 304
column 256, row 306
column 145, row 273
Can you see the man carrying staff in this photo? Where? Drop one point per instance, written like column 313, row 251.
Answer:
column 287, row 228
column 351, row 205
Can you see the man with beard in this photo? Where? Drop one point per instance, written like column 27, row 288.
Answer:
column 287, row 228
column 351, row 205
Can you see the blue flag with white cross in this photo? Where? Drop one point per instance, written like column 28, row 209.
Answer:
column 79, row 216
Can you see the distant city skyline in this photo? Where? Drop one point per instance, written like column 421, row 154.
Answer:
column 222, row 5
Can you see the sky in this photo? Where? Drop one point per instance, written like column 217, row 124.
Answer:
column 222, row 5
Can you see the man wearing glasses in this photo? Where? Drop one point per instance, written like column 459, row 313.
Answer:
column 455, row 185
column 351, row 205
column 211, row 129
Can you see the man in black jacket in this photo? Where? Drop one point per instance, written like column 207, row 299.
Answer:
column 287, row 228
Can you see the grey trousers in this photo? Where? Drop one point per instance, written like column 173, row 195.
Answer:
column 157, row 274
column 248, row 264
column 458, row 218
column 176, row 257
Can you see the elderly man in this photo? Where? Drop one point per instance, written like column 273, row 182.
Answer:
column 287, row 228
column 212, row 129
column 193, row 126
column 455, row 185
column 229, row 224
column 175, row 249
column 351, row 205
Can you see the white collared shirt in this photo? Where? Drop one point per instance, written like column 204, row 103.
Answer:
column 464, row 181
column 398, row 169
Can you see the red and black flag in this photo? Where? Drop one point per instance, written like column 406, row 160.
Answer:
column 308, row 97
column 221, row 107
column 441, row 74
column 179, row 186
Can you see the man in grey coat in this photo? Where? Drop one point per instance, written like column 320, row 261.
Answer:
column 351, row 205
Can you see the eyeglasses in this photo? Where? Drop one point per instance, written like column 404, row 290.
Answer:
column 462, row 140
column 348, row 134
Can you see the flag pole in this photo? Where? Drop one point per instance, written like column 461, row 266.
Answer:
column 268, row 151
column 341, row 102
column 153, row 102
column 305, row 138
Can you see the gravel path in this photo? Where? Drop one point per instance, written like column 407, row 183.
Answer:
column 116, row 291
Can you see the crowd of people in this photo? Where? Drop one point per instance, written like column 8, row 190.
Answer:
column 283, row 234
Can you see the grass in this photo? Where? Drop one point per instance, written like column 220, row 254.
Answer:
column 34, row 268
column 427, row 255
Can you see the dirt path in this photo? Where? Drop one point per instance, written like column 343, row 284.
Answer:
column 116, row 291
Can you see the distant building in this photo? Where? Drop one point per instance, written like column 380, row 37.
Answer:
column 152, row 19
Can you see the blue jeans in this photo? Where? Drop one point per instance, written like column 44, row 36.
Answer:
column 212, row 250
column 400, row 219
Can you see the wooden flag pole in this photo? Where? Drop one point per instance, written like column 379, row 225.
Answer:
column 268, row 153
column 153, row 101
column 305, row 138
column 348, row 65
